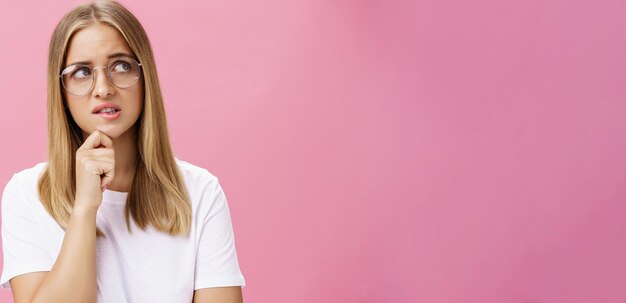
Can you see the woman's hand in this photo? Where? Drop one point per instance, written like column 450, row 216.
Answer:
column 95, row 163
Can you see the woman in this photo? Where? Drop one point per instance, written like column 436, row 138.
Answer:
column 113, row 216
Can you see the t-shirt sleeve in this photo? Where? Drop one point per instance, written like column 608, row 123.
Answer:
column 23, row 248
column 216, row 260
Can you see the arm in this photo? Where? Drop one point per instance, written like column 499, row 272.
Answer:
column 231, row 294
column 73, row 276
column 218, row 277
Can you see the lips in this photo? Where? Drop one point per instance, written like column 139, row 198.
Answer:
column 106, row 108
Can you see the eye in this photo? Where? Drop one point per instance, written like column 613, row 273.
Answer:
column 81, row 73
column 121, row 67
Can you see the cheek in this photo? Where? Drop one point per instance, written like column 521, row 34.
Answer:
column 132, row 102
column 74, row 109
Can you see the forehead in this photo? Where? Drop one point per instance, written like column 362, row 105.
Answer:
column 95, row 43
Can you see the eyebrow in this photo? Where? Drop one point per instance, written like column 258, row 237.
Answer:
column 115, row 55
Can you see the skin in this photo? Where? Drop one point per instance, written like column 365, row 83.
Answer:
column 106, row 159
column 94, row 44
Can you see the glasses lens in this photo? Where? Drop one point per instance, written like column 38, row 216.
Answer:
column 77, row 79
column 124, row 72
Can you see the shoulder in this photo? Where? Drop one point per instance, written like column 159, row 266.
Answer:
column 193, row 171
column 25, row 179
column 196, row 176
column 204, row 190
column 20, row 193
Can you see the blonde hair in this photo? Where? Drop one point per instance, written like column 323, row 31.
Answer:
column 158, row 195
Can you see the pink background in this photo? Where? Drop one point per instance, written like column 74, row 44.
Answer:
column 384, row 151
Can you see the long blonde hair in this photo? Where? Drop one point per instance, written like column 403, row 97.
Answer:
column 158, row 195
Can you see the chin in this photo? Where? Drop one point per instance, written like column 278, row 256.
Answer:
column 114, row 133
column 117, row 132
column 110, row 132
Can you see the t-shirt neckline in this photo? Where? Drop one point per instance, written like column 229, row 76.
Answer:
column 115, row 197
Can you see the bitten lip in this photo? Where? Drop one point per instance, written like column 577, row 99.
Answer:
column 105, row 105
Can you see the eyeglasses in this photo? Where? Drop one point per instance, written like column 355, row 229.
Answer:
column 79, row 79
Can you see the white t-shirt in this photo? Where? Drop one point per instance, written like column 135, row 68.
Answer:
column 142, row 266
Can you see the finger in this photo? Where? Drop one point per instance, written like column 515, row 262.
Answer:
column 107, row 176
column 102, row 161
column 91, row 140
column 98, row 153
column 95, row 140
column 106, row 180
column 103, row 168
column 105, row 141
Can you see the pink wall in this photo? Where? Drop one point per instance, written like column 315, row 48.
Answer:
column 378, row 151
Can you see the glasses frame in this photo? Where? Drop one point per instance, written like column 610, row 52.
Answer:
column 94, row 75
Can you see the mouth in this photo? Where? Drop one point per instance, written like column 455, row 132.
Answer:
column 109, row 111
column 106, row 108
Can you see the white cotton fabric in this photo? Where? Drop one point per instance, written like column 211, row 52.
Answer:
column 141, row 266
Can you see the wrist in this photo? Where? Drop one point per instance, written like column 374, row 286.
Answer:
column 83, row 210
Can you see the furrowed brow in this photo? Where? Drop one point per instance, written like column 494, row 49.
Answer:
column 114, row 55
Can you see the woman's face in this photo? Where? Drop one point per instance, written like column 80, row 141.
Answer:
column 99, row 45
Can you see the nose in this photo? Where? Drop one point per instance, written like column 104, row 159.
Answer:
column 102, row 86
